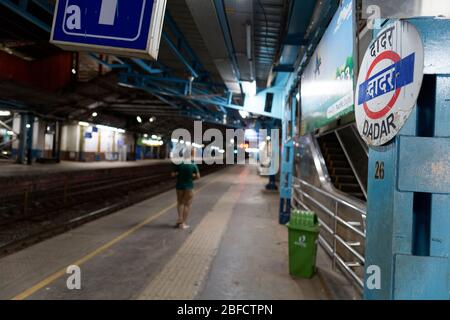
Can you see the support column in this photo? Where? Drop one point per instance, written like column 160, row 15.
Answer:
column 30, row 132
column 81, row 144
column 274, row 149
column 134, row 152
column 286, row 182
column 23, row 138
column 287, row 164
column 56, row 152
column 408, row 220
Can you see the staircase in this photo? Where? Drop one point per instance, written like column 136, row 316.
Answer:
column 339, row 169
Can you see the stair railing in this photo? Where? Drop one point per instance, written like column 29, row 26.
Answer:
column 337, row 232
column 360, row 140
column 349, row 159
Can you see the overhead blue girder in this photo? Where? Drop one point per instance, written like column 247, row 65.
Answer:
column 164, row 89
column 141, row 63
column 161, row 66
column 229, row 97
column 180, row 56
column 147, row 79
column 214, row 99
column 181, row 92
column 176, row 80
column 191, row 60
column 183, row 44
column 194, row 114
column 199, row 106
column 109, row 65
column 176, row 106
column 136, row 78
column 221, row 102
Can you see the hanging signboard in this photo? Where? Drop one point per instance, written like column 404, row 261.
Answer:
column 389, row 82
column 130, row 28
column 327, row 82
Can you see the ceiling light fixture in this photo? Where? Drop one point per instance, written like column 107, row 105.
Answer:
column 244, row 114
column 249, row 88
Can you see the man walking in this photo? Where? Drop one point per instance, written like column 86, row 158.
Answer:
column 186, row 173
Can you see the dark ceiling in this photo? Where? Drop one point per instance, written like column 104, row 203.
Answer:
column 116, row 105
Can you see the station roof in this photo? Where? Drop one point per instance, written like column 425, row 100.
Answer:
column 24, row 33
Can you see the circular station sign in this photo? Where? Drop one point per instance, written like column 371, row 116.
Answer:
column 389, row 82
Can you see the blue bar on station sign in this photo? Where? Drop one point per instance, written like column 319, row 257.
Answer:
column 396, row 76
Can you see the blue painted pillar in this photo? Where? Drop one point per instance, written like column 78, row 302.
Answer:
column 408, row 218
column 273, row 171
column 287, row 165
column 287, row 160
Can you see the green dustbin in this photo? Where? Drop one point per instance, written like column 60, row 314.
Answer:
column 303, row 232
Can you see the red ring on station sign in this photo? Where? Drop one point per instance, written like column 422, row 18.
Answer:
column 386, row 55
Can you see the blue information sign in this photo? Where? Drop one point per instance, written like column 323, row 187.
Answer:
column 110, row 26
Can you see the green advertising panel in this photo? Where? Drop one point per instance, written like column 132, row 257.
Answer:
column 327, row 82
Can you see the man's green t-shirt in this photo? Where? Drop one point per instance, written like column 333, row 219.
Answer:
column 185, row 181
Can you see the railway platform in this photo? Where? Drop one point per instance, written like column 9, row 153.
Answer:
column 234, row 250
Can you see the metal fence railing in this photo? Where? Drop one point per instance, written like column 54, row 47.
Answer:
column 342, row 223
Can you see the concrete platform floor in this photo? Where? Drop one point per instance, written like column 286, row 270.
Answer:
column 8, row 169
column 235, row 249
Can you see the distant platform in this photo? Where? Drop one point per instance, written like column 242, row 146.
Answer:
column 8, row 169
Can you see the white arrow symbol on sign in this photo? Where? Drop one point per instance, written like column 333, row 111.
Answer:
column 108, row 12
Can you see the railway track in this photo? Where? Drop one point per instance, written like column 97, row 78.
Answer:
column 35, row 210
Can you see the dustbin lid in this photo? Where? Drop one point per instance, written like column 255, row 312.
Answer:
column 304, row 220
column 314, row 228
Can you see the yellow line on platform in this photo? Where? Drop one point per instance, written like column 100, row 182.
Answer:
column 25, row 294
